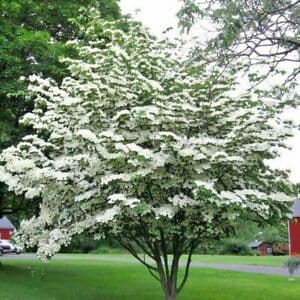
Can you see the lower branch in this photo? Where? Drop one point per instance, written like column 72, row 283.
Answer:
column 135, row 254
column 187, row 268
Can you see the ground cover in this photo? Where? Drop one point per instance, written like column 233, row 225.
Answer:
column 271, row 261
column 98, row 280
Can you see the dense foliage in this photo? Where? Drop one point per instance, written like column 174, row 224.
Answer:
column 152, row 151
column 248, row 231
column 32, row 38
column 234, row 246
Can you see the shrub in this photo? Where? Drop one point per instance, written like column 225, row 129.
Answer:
column 280, row 249
column 235, row 246
column 292, row 264
column 85, row 243
column 275, row 235
column 82, row 243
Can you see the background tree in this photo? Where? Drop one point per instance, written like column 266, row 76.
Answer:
column 257, row 33
column 140, row 146
column 249, row 231
column 32, row 38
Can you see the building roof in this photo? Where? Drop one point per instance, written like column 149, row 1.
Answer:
column 6, row 224
column 296, row 208
column 255, row 244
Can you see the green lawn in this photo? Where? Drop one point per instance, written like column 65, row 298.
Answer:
column 274, row 261
column 98, row 280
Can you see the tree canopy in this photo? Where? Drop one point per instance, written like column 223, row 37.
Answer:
column 146, row 148
column 32, row 38
column 257, row 33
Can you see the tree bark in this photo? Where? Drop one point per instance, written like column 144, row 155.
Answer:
column 171, row 296
column 170, row 285
column 170, row 290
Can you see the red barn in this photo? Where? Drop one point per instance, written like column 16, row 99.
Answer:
column 294, row 229
column 261, row 247
column 6, row 228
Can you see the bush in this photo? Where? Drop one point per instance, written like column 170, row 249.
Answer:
column 280, row 249
column 235, row 246
column 208, row 248
column 275, row 235
column 292, row 264
column 85, row 243
column 81, row 243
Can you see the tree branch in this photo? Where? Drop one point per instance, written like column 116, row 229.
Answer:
column 187, row 268
column 128, row 247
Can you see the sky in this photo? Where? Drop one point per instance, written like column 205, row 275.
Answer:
column 158, row 15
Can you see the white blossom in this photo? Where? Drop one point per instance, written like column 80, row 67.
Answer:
column 164, row 211
column 182, row 200
column 108, row 214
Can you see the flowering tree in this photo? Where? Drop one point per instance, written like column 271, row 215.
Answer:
column 139, row 145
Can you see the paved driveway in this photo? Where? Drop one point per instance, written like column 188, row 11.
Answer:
column 240, row 268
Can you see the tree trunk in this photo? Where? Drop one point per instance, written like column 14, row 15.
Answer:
column 170, row 295
column 170, row 288
column 168, row 277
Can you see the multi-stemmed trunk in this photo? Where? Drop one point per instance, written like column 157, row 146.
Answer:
column 168, row 279
column 159, row 264
column 168, row 274
column 170, row 290
column 162, row 249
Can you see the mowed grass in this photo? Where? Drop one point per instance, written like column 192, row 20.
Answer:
column 97, row 280
column 271, row 261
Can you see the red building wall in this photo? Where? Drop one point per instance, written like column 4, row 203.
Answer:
column 294, row 236
column 5, row 234
column 263, row 249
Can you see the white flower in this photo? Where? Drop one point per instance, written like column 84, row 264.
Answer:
column 69, row 101
column 164, row 211
column 85, row 196
column 108, row 214
column 88, row 135
column 182, row 200
column 116, row 197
